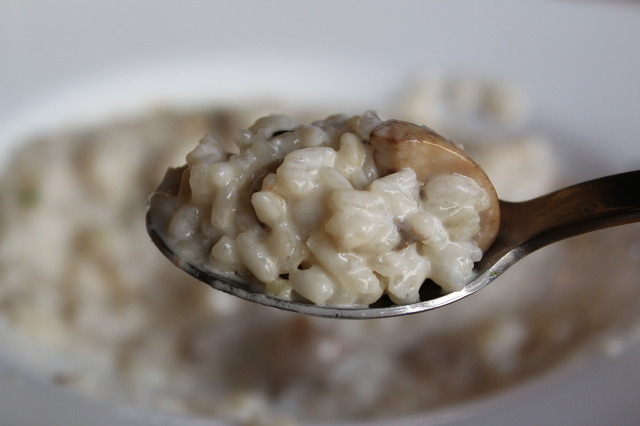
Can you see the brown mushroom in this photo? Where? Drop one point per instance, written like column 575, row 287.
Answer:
column 399, row 145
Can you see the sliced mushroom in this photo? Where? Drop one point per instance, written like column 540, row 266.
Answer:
column 399, row 145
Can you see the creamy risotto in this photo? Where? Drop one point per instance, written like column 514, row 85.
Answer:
column 89, row 303
column 339, row 212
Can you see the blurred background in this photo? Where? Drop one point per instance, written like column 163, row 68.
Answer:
column 578, row 63
column 576, row 59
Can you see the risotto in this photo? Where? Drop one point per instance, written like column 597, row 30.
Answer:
column 339, row 212
column 90, row 304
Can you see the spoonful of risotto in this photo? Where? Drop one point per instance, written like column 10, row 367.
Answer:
column 355, row 217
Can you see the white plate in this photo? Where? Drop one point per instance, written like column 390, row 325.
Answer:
column 579, row 61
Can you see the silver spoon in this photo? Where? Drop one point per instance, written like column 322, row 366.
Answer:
column 525, row 227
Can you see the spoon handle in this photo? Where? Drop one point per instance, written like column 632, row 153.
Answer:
column 588, row 206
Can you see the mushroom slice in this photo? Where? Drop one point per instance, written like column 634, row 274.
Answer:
column 399, row 145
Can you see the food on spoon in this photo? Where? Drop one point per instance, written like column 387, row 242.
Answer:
column 339, row 212
column 398, row 145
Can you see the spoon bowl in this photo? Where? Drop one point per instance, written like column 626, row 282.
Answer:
column 525, row 227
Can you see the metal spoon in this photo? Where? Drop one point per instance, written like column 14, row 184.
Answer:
column 525, row 227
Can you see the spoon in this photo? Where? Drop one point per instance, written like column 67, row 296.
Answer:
column 525, row 227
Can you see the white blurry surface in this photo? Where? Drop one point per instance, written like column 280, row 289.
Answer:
column 605, row 393
column 578, row 60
